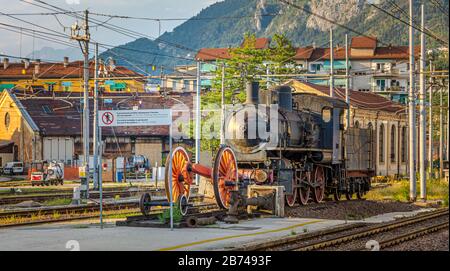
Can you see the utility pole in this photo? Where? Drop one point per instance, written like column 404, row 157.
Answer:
column 197, row 121
column 222, row 121
column 441, row 133
column 84, row 39
column 347, row 92
column 331, row 64
column 430, row 129
column 95, row 132
column 412, row 109
column 423, row 117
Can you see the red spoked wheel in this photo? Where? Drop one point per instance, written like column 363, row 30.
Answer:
column 292, row 198
column 304, row 188
column 181, row 179
column 225, row 176
column 319, row 184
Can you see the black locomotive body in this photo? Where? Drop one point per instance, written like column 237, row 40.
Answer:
column 301, row 145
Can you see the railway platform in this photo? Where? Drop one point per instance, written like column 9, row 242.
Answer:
column 89, row 236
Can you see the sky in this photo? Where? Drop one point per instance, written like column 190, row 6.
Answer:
column 13, row 43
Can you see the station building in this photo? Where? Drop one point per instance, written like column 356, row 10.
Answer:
column 46, row 127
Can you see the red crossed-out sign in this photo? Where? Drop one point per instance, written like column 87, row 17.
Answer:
column 108, row 118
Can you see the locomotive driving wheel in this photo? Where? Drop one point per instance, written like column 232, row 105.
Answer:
column 292, row 198
column 359, row 189
column 304, row 187
column 181, row 179
column 225, row 176
column 319, row 184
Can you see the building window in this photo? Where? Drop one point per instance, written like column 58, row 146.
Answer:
column 393, row 135
column 381, row 84
column 381, row 144
column 7, row 120
column 356, row 125
column 316, row 67
column 404, row 143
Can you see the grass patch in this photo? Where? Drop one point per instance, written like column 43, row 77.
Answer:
column 399, row 191
column 57, row 202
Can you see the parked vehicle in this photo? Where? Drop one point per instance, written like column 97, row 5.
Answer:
column 13, row 168
column 44, row 173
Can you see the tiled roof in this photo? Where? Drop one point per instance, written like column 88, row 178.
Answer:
column 65, row 114
column 262, row 43
column 363, row 100
column 313, row 54
column 304, row 53
column 57, row 71
column 211, row 54
column 362, row 42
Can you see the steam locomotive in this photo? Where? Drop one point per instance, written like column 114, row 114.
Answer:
column 307, row 151
column 278, row 137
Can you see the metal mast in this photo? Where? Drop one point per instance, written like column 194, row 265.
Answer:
column 430, row 124
column 84, row 39
column 197, row 121
column 423, row 117
column 331, row 64
column 347, row 92
column 412, row 109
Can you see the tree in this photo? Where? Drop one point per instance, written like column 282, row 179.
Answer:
column 247, row 63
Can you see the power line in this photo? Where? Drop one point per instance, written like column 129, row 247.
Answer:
column 185, row 19
column 425, row 31
column 124, row 31
column 331, row 21
column 437, row 4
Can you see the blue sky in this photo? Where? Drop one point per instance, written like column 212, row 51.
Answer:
column 10, row 42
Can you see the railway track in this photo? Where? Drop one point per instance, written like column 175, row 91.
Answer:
column 94, row 195
column 66, row 213
column 335, row 237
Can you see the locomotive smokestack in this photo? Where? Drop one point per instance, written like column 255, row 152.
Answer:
column 252, row 93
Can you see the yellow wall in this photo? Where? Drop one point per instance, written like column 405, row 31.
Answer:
column 17, row 131
column 77, row 84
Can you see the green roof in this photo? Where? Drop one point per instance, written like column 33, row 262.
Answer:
column 6, row 86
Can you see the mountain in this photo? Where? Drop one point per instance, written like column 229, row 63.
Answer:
column 223, row 24
column 49, row 53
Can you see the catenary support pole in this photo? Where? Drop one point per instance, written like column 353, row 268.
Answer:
column 222, row 107
column 198, row 121
column 423, row 117
column 347, row 92
column 95, row 125
column 331, row 64
column 412, row 109
column 430, row 126
column 441, row 133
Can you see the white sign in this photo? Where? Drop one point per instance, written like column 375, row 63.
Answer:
column 115, row 118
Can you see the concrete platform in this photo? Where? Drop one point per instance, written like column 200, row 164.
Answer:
column 89, row 236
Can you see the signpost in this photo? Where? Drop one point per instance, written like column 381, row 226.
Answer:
column 147, row 117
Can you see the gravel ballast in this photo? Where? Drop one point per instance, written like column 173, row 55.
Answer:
column 349, row 210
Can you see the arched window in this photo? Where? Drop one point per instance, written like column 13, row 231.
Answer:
column 381, row 144
column 393, row 145
column 370, row 126
column 356, row 125
column 7, row 120
column 404, row 144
